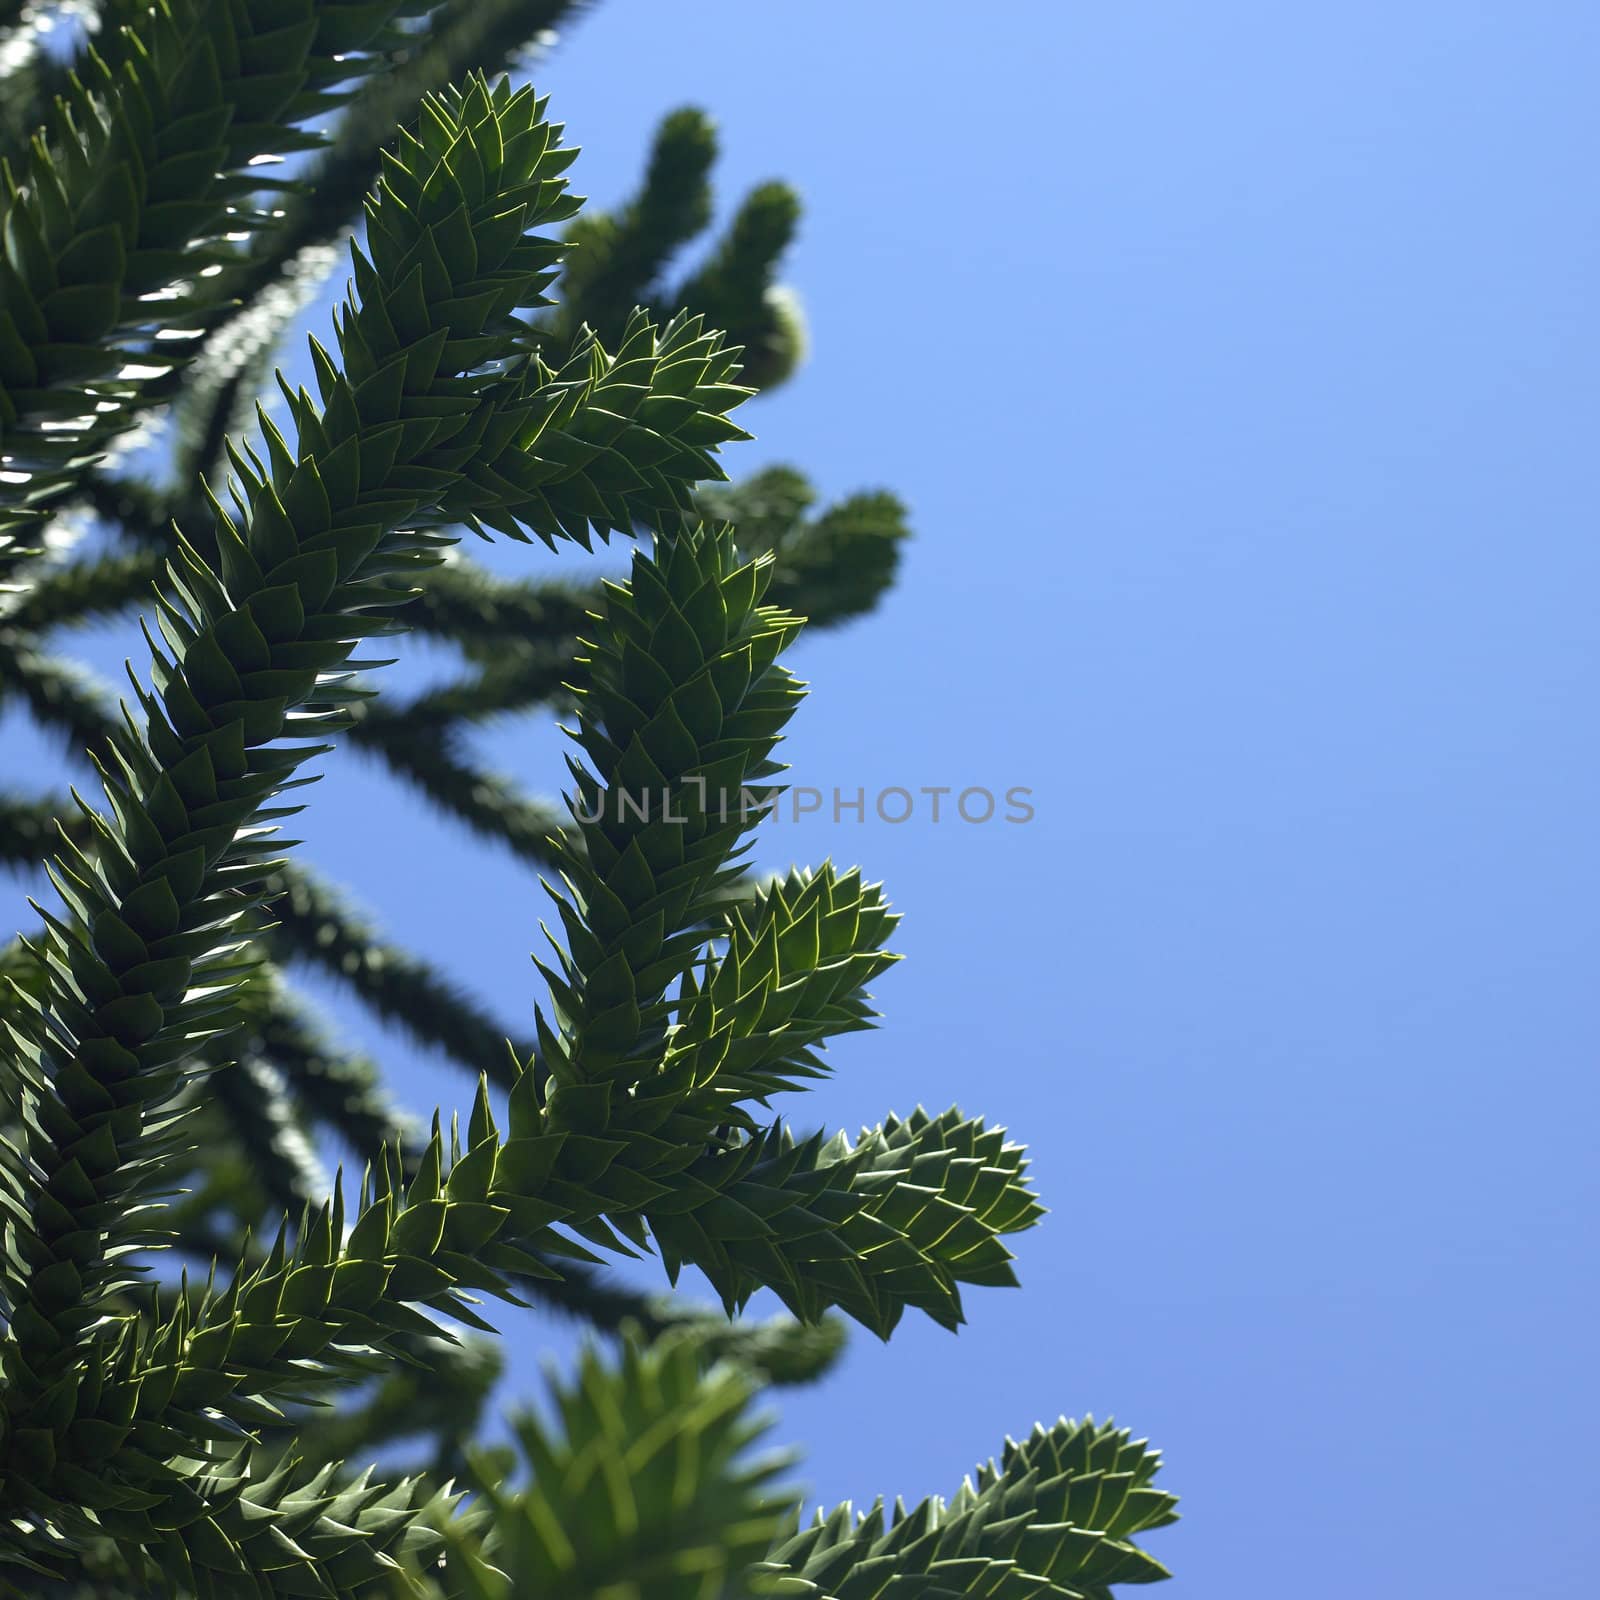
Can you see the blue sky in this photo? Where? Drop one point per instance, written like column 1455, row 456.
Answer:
column 1239, row 363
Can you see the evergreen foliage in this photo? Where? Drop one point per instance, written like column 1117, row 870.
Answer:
column 516, row 639
column 162, row 1083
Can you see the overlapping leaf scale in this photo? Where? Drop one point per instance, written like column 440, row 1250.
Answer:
column 475, row 1208
column 145, row 957
column 318, row 1310
column 639, row 428
column 685, row 686
column 681, row 703
column 1055, row 1520
column 136, row 193
column 139, row 962
column 898, row 1220
column 645, row 1488
column 290, row 1531
column 790, row 972
column 316, row 1305
column 463, row 1222
column 164, row 1394
column 491, row 437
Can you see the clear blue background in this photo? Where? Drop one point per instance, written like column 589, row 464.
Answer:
column 1239, row 362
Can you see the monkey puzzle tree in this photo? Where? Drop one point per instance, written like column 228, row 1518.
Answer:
column 279, row 1080
column 142, row 1428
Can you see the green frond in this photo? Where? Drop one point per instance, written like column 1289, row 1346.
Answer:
column 233, row 366
column 790, row 973
column 1055, row 1520
column 146, row 1425
column 297, row 1531
column 622, row 258
column 780, row 1350
column 483, row 612
column 311, row 922
column 263, row 1116
column 910, row 1209
column 897, row 1220
column 644, row 1488
column 827, row 569
column 681, row 705
column 143, row 965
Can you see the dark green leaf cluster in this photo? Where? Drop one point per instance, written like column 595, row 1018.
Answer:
column 682, row 705
column 143, row 966
column 143, row 1426
column 518, row 638
column 699, row 1518
column 135, row 195
column 1055, row 1520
